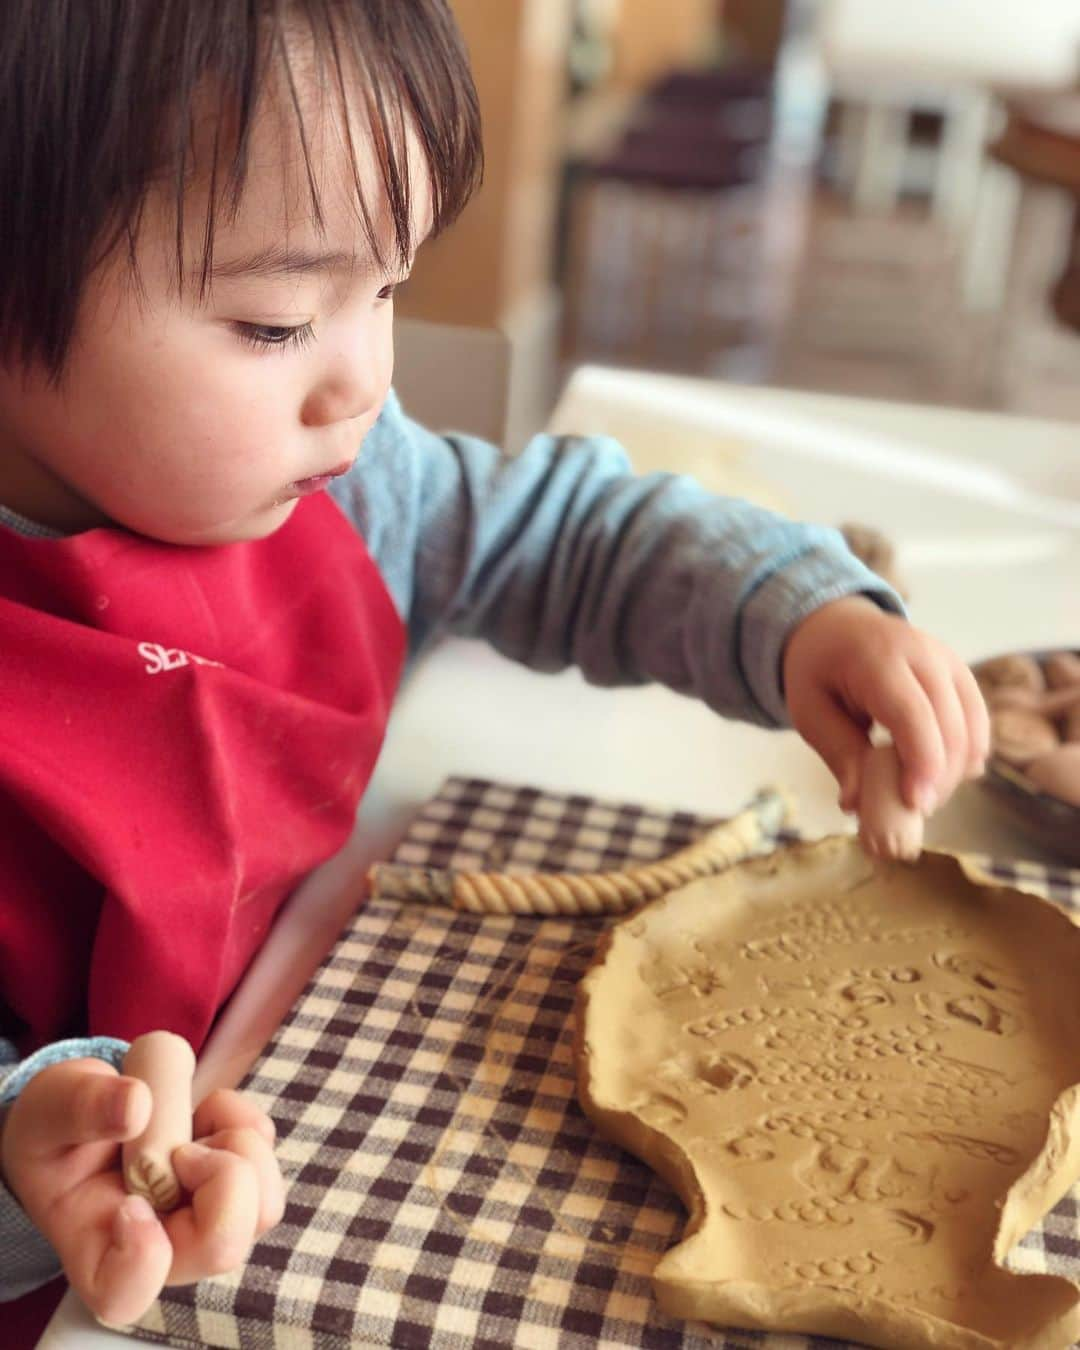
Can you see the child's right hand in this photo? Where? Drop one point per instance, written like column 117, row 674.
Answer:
column 60, row 1156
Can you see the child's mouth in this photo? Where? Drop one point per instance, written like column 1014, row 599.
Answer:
column 303, row 487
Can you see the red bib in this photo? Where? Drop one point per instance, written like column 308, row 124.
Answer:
column 184, row 734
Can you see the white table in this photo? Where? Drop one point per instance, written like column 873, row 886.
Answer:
column 985, row 510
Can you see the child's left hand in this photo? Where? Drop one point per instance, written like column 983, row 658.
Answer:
column 60, row 1155
column 850, row 664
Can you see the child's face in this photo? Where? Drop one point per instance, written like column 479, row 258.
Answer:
column 199, row 422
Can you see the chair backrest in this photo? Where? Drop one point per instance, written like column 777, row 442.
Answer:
column 1001, row 42
column 452, row 378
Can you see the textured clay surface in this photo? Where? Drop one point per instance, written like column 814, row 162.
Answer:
column 861, row 1078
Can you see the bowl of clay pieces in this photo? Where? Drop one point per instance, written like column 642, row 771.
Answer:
column 1034, row 769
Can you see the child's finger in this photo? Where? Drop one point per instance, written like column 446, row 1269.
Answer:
column 903, row 707
column 227, row 1110
column 214, row 1233
column 117, row 1266
column 978, row 721
column 252, row 1146
column 952, row 724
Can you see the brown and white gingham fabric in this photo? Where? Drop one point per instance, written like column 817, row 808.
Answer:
column 445, row 1190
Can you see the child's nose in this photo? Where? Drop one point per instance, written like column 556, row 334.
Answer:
column 350, row 390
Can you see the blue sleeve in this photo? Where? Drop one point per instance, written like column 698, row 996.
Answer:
column 560, row 555
column 27, row 1260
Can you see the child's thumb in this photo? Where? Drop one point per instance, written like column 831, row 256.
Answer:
column 111, row 1108
column 80, row 1102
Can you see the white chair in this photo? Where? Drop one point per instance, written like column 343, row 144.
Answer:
column 453, row 378
column 884, row 59
column 500, row 384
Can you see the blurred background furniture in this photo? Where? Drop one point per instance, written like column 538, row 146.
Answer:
column 1041, row 142
column 457, row 378
column 666, row 268
column 1034, row 358
column 886, row 62
column 493, row 271
column 784, row 192
column 907, row 255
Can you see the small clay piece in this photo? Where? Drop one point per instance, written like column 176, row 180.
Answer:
column 166, row 1063
column 1062, row 669
column 888, row 827
column 1019, row 735
column 1018, row 671
column 863, row 1080
column 871, row 547
column 1030, row 716
column 1050, row 703
column 588, row 892
column 1058, row 773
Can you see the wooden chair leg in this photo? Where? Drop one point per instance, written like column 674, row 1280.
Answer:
column 881, row 158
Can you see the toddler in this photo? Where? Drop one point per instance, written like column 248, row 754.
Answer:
column 221, row 537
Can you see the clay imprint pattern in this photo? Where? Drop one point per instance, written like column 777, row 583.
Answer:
column 861, row 1079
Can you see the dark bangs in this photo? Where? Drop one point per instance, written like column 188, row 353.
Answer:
column 98, row 100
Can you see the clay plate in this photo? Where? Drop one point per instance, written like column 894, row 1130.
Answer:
column 862, row 1080
column 1053, row 822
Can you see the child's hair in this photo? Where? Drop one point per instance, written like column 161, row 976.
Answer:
column 97, row 100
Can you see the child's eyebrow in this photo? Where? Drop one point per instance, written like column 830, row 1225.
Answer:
column 278, row 261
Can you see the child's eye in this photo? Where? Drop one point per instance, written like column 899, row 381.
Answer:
column 265, row 335
column 388, row 291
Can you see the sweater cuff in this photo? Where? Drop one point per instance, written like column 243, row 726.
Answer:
column 27, row 1259
column 18, row 1075
column 779, row 605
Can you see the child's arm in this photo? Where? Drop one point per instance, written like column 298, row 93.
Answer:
column 60, row 1158
column 560, row 555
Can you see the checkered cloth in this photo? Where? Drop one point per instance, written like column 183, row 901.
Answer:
column 445, row 1190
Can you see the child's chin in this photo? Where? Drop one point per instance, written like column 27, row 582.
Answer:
column 258, row 525
column 266, row 522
